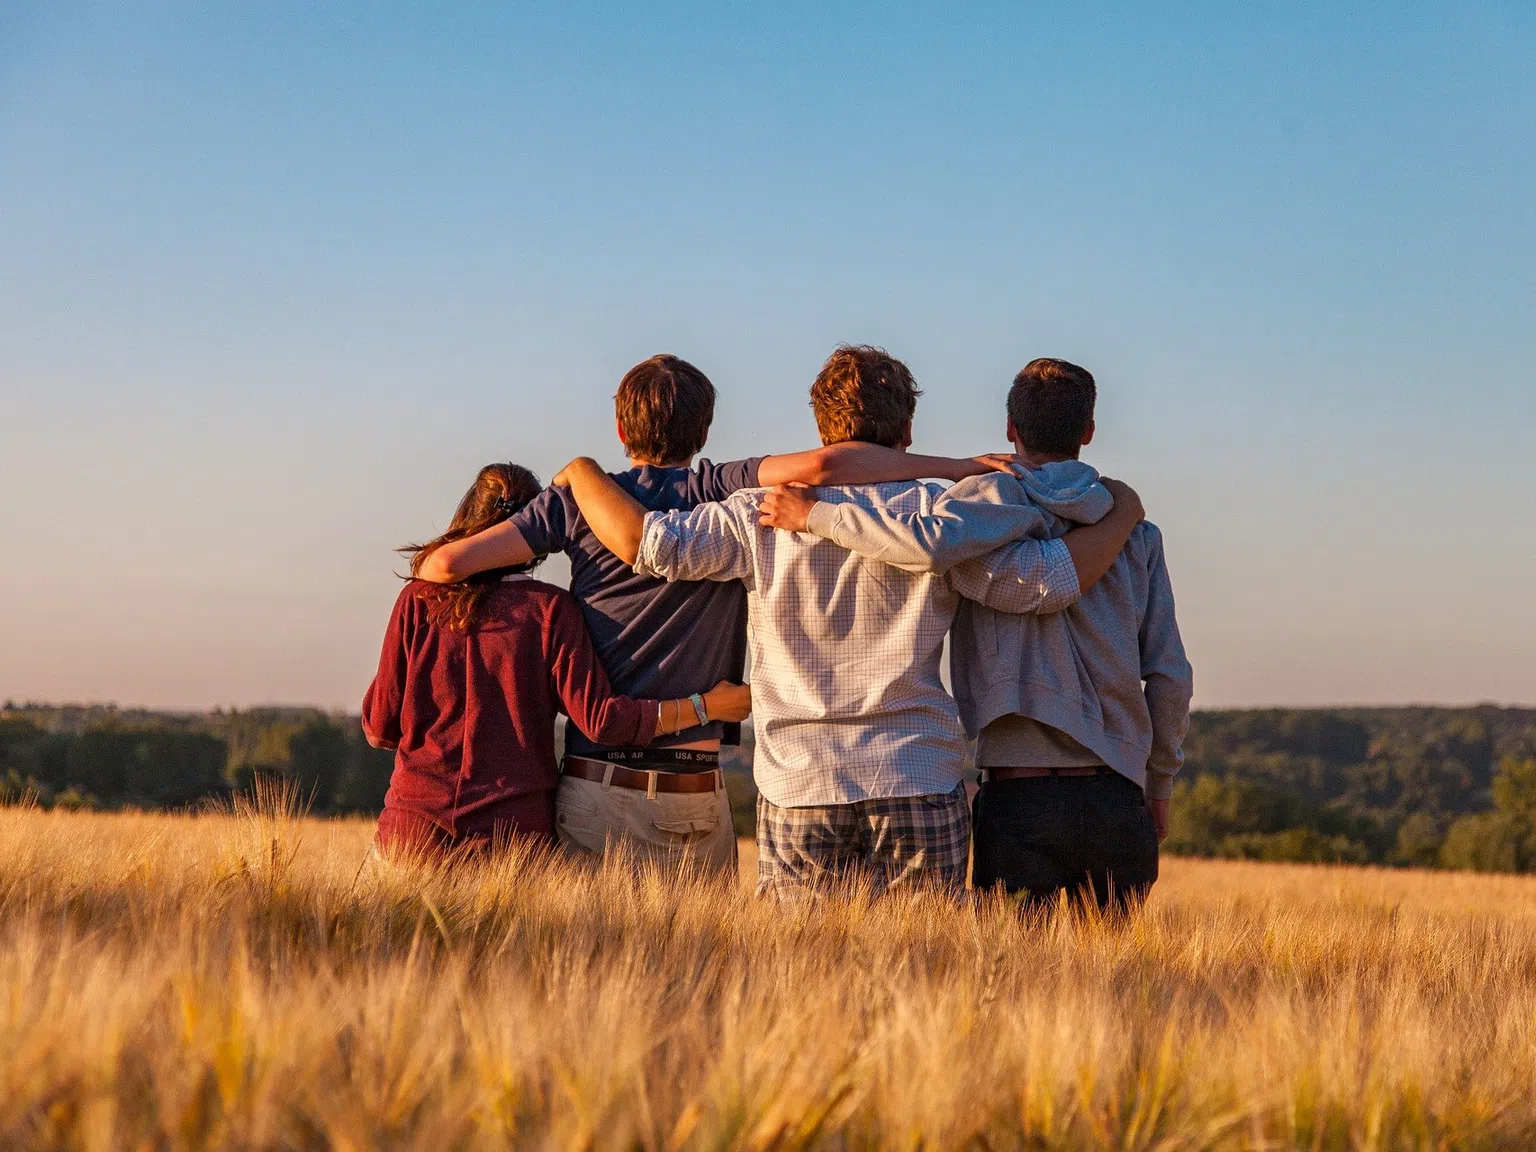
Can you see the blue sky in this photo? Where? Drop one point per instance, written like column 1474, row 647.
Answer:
column 275, row 279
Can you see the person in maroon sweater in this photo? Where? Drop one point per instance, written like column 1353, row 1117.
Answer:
column 470, row 680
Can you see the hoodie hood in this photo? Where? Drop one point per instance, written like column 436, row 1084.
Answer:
column 1067, row 488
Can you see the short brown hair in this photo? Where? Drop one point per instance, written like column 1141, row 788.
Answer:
column 864, row 393
column 664, row 406
column 1051, row 405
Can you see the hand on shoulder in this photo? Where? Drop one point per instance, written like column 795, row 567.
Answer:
column 995, row 462
column 787, row 506
column 1126, row 500
column 579, row 464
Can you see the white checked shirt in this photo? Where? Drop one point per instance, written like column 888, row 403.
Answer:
column 846, row 697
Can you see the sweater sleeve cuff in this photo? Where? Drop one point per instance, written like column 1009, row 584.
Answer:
column 822, row 520
column 650, row 716
column 1159, row 786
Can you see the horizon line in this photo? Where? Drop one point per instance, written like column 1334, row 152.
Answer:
column 11, row 704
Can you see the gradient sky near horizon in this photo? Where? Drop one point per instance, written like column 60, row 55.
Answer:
column 276, row 279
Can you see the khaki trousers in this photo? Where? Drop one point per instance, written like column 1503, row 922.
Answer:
column 671, row 828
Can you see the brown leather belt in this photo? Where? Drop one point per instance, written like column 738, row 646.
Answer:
column 1032, row 773
column 649, row 781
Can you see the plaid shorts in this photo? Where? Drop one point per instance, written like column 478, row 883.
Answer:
column 890, row 842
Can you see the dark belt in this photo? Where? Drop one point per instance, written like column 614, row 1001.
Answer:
column 647, row 780
column 1033, row 773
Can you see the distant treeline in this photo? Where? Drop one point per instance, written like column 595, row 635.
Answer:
column 100, row 757
column 1426, row 787
column 1422, row 787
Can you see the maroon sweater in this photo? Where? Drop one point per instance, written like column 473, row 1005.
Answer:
column 472, row 714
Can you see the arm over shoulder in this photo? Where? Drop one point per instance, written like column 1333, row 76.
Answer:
column 712, row 482
column 581, row 685
column 1027, row 576
column 858, row 462
column 544, row 522
column 972, row 518
column 537, row 530
column 710, row 542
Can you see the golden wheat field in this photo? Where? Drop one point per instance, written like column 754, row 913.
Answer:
column 249, row 980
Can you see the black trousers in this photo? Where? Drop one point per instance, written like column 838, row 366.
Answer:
column 1092, row 836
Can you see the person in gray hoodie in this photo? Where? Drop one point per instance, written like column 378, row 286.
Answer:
column 1079, row 715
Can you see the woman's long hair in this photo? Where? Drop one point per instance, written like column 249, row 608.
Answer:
column 498, row 492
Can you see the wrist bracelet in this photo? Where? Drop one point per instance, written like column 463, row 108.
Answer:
column 698, row 708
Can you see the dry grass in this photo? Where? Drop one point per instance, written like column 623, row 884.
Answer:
column 245, row 981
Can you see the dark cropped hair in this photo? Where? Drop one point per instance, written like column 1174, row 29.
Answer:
column 499, row 491
column 864, row 393
column 665, row 406
column 1051, row 406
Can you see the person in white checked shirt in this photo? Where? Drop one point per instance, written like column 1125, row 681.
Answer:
column 859, row 747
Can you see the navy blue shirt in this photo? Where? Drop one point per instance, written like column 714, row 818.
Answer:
column 653, row 638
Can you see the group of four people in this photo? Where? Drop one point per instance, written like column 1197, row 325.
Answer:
column 842, row 573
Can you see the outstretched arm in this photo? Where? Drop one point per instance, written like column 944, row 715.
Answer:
column 616, row 518
column 710, row 542
column 971, row 519
column 704, row 544
column 978, row 521
column 857, row 462
column 501, row 546
column 586, row 696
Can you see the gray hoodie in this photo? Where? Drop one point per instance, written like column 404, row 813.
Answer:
column 1109, row 671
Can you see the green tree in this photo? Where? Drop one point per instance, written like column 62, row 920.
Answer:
column 1298, row 845
column 317, row 753
column 1503, row 840
column 1419, row 840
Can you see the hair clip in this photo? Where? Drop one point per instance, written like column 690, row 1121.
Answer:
column 503, row 506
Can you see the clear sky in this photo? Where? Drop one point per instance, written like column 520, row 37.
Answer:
column 276, row 279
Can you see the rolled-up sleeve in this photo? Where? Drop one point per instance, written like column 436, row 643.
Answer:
column 709, row 542
column 1026, row 576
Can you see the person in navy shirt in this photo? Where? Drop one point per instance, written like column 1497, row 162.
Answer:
column 665, row 800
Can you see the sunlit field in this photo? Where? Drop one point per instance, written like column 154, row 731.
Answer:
column 251, row 980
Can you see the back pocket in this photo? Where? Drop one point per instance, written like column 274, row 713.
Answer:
column 687, row 828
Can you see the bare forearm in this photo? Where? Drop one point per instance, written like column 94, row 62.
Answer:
column 500, row 547
column 1095, row 546
column 615, row 517
column 674, row 716
column 857, row 462
column 725, row 701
